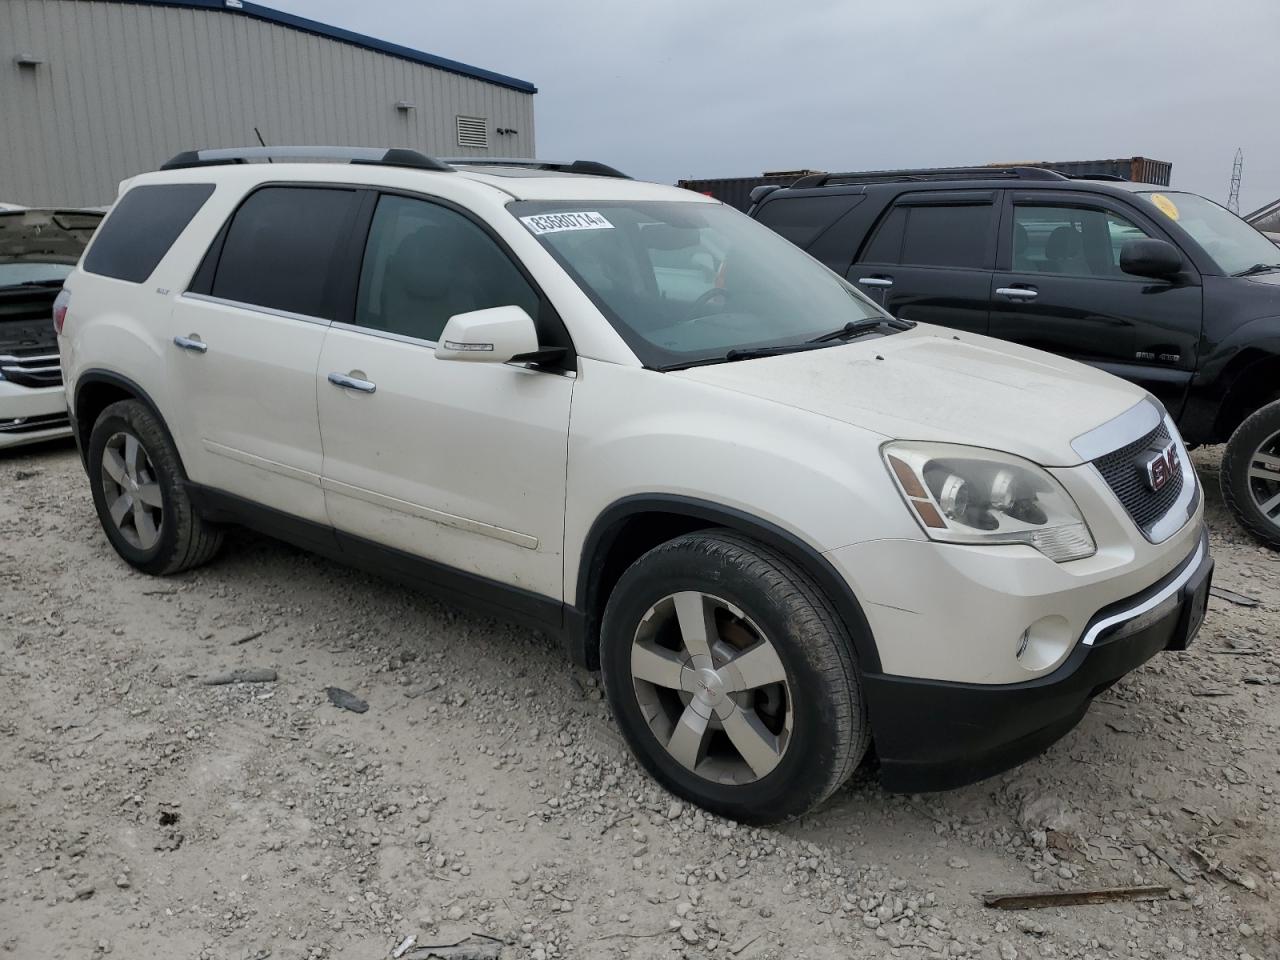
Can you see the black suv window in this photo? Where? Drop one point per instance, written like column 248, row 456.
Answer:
column 947, row 236
column 1072, row 241
column 281, row 247
column 424, row 262
column 801, row 219
column 142, row 228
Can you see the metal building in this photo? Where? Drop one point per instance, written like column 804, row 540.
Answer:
column 93, row 91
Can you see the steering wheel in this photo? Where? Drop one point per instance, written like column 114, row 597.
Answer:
column 715, row 293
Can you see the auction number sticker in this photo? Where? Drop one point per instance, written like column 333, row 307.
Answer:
column 559, row 222
column 1165, row 205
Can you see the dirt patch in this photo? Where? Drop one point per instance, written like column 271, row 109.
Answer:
column 145, row 812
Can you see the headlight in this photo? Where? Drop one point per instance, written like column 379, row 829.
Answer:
column 970, row 495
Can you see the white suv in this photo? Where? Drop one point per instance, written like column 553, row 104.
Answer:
column 780, row 522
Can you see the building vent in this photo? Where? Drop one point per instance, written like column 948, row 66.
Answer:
column 473, row 132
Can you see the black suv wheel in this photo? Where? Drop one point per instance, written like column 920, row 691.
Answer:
column 138, row 491
column 1250, row 474
column 732, row 678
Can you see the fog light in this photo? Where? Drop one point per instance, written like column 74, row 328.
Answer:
column 1044, row 644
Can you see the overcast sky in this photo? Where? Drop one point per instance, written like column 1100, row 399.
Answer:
column 680, row 88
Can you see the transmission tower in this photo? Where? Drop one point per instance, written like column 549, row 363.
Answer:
column 1233, row 201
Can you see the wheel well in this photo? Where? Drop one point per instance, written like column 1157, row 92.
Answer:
column 619, row 546
column 634, row 526
column 91, row 399
column 1255, row 384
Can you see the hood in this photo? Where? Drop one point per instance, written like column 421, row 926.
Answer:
column 929, row 384
column 46, row 236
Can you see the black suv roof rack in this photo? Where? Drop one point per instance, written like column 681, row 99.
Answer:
column 385, row 156
column 931, row 173
column 590, row 167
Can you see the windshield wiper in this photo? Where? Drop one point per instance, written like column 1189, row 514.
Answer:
column 747, row 353
column 1258, row 268
column 856, row 327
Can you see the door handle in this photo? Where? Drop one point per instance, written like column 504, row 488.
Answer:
column 876, row 281
column 1017, row 293
column 192, row 342
column 353, row 383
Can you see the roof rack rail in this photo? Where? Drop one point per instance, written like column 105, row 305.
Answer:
column 590, row 167
column 1109, row 177
column 384, row 156
column 930, row 173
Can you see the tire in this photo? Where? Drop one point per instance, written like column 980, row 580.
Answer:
column 804, row 735
column 1252, row 452
column 134, row 468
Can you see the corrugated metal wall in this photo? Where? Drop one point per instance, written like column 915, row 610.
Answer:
column 123, row 87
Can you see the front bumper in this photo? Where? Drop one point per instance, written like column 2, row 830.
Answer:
column 31, row 414
column 935, row 735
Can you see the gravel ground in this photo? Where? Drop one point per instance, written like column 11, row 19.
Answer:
column 486, row 793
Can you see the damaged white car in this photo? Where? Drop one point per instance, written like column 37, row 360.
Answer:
column 38, row 248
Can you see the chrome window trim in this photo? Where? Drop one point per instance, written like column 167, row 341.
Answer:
column 1134, row 423
column 383, row 334
column 253, row 308
column 1091, row 635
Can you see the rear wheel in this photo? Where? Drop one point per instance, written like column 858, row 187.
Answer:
column 1250, row 474
column 732, row 678
column 140, row 496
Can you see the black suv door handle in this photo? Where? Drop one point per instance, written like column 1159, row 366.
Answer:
column 876, row 281
column 1017, row 293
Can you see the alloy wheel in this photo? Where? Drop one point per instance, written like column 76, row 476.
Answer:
column 1264, row 478
column 132, row 490
column 712, row 688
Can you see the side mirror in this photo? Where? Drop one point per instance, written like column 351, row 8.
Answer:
column 495, row 335
column 1158, row 259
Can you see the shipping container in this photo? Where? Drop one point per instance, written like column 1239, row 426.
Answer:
column 736, row 191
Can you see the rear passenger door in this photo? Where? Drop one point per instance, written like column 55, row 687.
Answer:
column 931, row 257
column 246, row 341
column 462, row 464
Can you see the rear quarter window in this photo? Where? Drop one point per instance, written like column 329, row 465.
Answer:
column 802, row 219
column 142, row 227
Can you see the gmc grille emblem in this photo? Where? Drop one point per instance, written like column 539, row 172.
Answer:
column 1161, row 467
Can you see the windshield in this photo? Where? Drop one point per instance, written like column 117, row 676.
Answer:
column 12, row 274
column 1234, row 245
column 684, row 281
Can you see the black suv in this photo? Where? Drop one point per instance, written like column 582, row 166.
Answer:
column 1158, row 286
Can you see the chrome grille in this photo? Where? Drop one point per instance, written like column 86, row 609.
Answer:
column 1124, row 472
column 31, row 369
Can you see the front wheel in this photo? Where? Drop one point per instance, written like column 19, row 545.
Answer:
column 732, row 678
column 1250, row 474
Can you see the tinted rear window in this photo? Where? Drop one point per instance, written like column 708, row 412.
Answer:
column 280, row 250
column 801, row 219
column 940, row 236
column 142, row 227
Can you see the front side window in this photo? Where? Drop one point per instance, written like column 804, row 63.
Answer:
column 281, row 247
column 688, row 281
column 947, row 236
column 1070, row 241
column 1234, row 245
column 425, row 262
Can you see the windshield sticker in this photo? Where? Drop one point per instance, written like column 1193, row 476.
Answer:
column 1165, row 205
column 559, row 222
